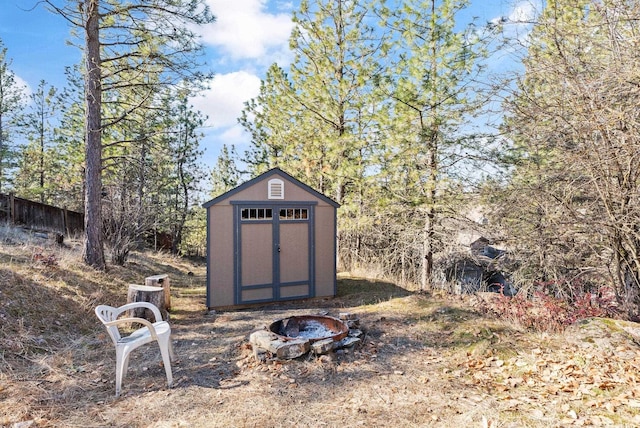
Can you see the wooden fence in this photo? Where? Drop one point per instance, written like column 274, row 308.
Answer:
column 39, row 216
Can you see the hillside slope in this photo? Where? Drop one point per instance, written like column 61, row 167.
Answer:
column 426, row 360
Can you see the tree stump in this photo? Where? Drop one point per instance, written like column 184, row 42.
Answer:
column 145, row 293
column 161, row 281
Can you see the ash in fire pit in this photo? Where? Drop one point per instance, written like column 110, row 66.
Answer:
column 310, row 327
column 297, row 335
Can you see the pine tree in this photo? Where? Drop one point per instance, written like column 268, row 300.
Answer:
column 11, row 106
column 188, row 172
column 308, row 120
column 429, row 81
column 318, row 121
column 268, row 118
column 336, row 53
column 34, row 178
column 69, row 175
column 150, row 38
column 225, row 174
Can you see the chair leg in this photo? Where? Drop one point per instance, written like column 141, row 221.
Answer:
column 125, row 366
column 171, row 353
column 122, row 360
column 165, row 350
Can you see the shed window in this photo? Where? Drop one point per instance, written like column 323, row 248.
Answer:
column 294, row 214
column 256, row 214
column 276, row 189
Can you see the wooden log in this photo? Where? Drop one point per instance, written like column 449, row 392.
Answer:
column 161, row 281
column 145, row 293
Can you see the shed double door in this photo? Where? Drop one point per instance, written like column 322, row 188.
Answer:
column 274, row 259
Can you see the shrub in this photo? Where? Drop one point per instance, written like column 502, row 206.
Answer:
column 552, row 306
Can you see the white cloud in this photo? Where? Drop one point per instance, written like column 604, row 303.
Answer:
column 245, row 29
column 236, row 135
column 24, row 85
column 518, row 22
column 524, row 12
column 224, row 100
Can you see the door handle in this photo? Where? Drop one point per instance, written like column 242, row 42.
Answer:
column 278, row 247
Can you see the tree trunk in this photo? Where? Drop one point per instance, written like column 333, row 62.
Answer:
column 161, row 280
column 145, row 293
column 2, row 146
column 427, row 243
column 93, row 251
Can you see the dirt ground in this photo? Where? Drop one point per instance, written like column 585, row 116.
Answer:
column 427, row 360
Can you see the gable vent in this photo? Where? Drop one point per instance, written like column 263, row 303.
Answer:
column 276, row 189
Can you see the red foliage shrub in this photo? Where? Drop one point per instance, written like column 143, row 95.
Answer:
column 552, row 306
column 46, row 260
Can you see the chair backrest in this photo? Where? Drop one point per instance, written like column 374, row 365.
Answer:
column 107, row 314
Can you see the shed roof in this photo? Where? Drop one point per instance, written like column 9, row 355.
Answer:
column 271, row 172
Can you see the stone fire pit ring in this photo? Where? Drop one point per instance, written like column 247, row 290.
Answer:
column 313, row 328
column 295, row 336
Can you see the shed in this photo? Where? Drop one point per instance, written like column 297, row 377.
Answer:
column 270, row 239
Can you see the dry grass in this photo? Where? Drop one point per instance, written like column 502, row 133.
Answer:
column 427, row 360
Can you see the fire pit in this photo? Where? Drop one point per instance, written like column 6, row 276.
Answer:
column 295, row 336
column 310, row 327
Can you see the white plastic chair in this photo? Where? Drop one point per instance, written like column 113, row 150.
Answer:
column 159, row 331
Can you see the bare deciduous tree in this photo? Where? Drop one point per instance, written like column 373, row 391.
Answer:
column 576, row 118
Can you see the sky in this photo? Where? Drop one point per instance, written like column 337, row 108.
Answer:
column 247, row 37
